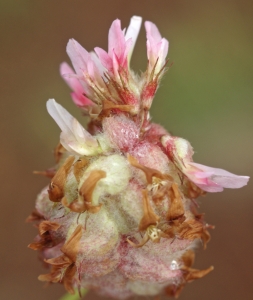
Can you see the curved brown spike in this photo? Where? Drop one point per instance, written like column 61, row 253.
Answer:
column 63, row 267
column 78, row 205
column 56, row 187
column 71, row 247
column 149, row 172
column 68, row 279
column 149, row 217
column 176, row 210
column 79, row 167
column 61, row 261
column 45, row 226
column 193, row 274
column 205, row 237
column 34, row 216
column 38, row 245
column 88, row 187
column 54, row 276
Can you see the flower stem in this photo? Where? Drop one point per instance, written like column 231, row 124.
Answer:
column 75, row 296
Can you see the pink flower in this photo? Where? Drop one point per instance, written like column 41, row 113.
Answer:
column 206, row 178
column 78, row 90
column 157, row 48
column 120, row 45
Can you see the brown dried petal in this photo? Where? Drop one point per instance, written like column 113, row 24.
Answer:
column 45, row 226
column 56, row 187
column 86, row 190
column 78, row 205
column 176, row 210
column 149, row 217
column 205, row 237
column 34, row 216
column 54, row 276
column 79, row 168
column 63, row 267
column 43, row 242
column 70, row 248
column 150, row 173
column 68, row 278
column 90, row 183
column 193, row 274
column 188, row 258
column 191, row 230
column 194, row 191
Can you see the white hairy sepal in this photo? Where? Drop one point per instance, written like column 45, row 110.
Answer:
column 117, row 177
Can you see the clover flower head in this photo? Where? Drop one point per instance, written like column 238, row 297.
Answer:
column 119, row 214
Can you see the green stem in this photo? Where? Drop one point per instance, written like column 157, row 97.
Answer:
column 75, row 296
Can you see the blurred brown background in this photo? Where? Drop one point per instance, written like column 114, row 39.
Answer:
column 206, row 97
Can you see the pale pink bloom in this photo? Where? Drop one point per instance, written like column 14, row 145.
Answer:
column 74, row 137
column 78, row 90
column 98, row 72
column 157, row 48
column 120, row 45
column 207, row 178
column 213, row 179
column 88, row 70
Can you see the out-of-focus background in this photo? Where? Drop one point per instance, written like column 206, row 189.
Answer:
column 206, row 97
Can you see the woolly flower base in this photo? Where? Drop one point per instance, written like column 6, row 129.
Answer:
column 119, row 215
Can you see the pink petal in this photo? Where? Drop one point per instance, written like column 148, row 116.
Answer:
column 104, row 58
column 157, row 47
column 219, row 177
column 78, row 91
column 97, row 62
column 72, row 82
column 81, row 100
column 78, row 55
column 94, row 72
column 132, row 33
column 116, row 40
column 152, row 31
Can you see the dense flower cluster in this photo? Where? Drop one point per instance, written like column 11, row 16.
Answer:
column 119, row 215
